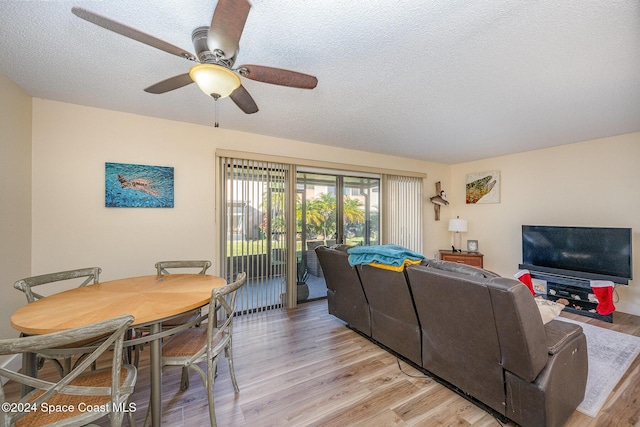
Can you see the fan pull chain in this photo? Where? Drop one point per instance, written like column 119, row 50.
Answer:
column 215, row 112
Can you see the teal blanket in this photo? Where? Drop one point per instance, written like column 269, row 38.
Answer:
column 383, row 254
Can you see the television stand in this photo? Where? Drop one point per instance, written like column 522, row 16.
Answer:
column 575, row 290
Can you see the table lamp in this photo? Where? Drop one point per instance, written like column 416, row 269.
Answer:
column 457, row 225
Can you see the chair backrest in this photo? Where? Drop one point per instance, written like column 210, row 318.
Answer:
column 162, row 266
column 114, row 329
column 224, row 300
column 90, row 275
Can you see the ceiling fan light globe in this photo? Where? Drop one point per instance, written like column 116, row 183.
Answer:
column 214, row 80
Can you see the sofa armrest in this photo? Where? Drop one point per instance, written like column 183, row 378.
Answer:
column 560, row 333
column 558, row 390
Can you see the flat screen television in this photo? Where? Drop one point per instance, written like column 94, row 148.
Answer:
column 594, row 253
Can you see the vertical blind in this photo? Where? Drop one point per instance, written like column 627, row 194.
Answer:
column 254, row 230
column 402, row 211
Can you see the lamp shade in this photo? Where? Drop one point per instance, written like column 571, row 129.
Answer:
column 214, row 80
column 458, row 225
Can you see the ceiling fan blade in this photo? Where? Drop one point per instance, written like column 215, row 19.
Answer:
column 243, row 100
column 226, row 26
column 278, row 76
column 170, row 84
column 131, row 33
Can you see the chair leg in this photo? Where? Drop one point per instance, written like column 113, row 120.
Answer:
column 137, row 348
column 136, row 354
column 128, row 350
column 211, row 369
column 184, row 380
column 229, row 355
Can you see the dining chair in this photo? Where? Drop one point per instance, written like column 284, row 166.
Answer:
column 90, row 275
column 198, row 267
column 168, row 267
column 195, row 345
column 81, row 395
column 162, row 266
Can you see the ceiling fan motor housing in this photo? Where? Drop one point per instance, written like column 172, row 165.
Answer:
column 205, row 54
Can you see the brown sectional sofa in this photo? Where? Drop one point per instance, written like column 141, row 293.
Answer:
column 478, row 332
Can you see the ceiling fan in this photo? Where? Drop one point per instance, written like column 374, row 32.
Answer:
column 216, row 49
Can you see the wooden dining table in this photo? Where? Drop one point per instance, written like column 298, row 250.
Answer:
column 150, row 299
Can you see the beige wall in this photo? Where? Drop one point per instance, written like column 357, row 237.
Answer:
column 15, row 198
column 71, row 226
column 593, row 183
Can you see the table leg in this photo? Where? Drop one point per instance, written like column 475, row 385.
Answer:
column 156, row 377
column 29, row 368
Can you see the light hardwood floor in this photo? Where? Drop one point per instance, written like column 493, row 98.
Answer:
column 304, row 367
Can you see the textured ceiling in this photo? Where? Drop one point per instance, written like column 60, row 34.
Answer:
column 445, row 81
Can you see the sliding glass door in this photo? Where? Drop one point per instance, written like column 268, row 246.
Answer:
column 273, row 216
column 331, row 209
